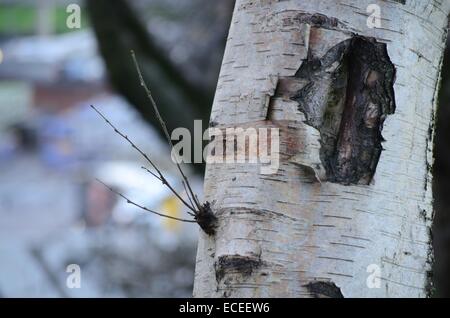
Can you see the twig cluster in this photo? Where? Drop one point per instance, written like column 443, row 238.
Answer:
column 201, row 213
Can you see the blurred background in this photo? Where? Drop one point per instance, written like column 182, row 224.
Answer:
column 53, row 145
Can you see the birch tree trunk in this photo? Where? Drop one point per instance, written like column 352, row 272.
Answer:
column 348, row 214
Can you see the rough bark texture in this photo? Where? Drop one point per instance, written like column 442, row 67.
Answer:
column 355, row 108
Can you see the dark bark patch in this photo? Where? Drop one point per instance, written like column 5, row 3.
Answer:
column 321, row 289
column 206, row 219
column 346, row 95
column 317, row 20
column 236, row 264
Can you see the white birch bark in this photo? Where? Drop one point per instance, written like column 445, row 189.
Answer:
column 278, row 234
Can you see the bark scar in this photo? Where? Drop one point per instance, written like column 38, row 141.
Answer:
column 346, row 95
column 321, row 289
column 317, row 20
column 237, row 264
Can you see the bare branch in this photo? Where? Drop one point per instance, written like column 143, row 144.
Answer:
column 143, row 207
column 190, row 206
column 152, row 173
column 163, row 126
column 187, row 192
column 161, row 176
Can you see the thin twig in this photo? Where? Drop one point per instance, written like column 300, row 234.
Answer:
column 187, row 193
column 163, row 125
column 190, row 206
column 143, row 207
column 177, row 195
column 152, row 173
column 161, row 176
